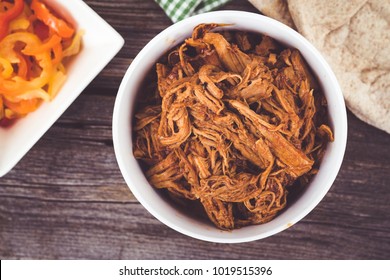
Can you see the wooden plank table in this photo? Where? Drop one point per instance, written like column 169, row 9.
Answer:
column 67, row 199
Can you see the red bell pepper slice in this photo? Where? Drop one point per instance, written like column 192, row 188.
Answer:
column 9, row 15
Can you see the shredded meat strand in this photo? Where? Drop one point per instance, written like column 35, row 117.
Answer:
column 235, row 122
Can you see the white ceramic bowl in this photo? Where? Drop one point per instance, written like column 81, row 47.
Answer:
column 100, row 43
column 163, row 209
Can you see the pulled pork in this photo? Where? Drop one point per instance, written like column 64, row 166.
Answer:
column 236, row 121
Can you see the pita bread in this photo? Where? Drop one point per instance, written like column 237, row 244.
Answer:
column 277, row 9
column 354, row 37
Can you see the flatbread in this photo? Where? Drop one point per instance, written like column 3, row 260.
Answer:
column 354, row 37
column 276, row 9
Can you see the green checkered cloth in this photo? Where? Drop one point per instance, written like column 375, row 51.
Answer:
column 177, row 10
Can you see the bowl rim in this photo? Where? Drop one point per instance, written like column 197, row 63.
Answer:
column 213, row 17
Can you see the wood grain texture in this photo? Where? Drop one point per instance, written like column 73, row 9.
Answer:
column 67, row 199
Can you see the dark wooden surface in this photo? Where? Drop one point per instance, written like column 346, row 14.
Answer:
column 67, row 199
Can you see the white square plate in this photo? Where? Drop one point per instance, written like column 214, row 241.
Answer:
column 100, row 44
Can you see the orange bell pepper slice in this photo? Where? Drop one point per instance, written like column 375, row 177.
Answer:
column 58, row 25
column 44, row 47
column 9, row 15
column 58, row 54
column 23, row 107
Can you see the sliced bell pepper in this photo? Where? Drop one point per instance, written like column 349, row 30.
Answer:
column 58, row 54
column 19, row 24
column 17, row 85
column 9, row 15
column 58, row 25
column 47, row 46
column 23, row 107
column 6, row 69
column 74, row 47
column 33, row 44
